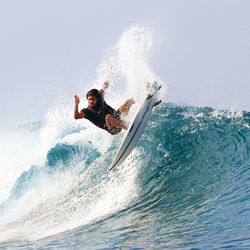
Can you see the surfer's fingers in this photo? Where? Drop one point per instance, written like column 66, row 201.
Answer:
column 77, row 99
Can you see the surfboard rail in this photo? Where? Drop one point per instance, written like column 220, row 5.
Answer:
column 136, row 128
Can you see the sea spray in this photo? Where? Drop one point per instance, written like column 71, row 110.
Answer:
column 59, row 179
column 130, row 63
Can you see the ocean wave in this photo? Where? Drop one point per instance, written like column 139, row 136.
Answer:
column 190, row 169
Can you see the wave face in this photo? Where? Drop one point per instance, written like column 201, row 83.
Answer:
column 186, row 184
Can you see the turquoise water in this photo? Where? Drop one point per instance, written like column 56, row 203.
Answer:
column 186, row 184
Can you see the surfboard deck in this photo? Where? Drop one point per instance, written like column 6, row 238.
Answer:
column 137, row 126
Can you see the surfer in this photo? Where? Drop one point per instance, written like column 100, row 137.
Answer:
column 100, row 113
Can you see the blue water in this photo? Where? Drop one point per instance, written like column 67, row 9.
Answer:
column 185, row 185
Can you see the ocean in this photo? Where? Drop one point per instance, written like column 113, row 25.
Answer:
column 185, row 185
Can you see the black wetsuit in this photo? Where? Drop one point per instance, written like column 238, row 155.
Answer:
column 98, row 114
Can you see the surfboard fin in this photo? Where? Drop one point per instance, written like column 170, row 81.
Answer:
column 157, row 103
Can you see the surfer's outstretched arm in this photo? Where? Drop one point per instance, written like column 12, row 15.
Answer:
column 77, row 114
column 105, row 85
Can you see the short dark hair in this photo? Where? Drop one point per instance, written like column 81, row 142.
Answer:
column 93, row 92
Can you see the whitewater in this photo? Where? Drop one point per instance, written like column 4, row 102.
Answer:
column 185, row 185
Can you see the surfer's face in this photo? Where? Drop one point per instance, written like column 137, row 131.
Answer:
column 92, row 100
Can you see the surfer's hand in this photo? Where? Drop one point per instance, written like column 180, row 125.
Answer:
column 77, row 100
column 105, row 85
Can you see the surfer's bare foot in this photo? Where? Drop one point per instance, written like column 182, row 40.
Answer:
column 112, row 122
column 126, row 106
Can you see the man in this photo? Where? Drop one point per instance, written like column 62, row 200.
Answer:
column 100, row 113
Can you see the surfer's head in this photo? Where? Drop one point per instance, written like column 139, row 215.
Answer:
column 93, row 96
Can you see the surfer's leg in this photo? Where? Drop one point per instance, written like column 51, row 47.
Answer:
column 112, row 122
column 126, row 106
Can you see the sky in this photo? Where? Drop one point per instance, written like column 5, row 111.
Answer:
column 50, row 48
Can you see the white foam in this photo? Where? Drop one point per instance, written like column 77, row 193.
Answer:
column 63, row 200
column 17, row 155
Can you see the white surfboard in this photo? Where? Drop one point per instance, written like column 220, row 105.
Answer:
column 136, row 127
